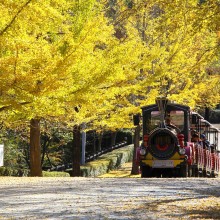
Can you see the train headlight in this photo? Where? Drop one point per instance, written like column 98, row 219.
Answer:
column 182, row 151
column 143, row 151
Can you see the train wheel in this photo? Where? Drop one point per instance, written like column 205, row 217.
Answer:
column 204, row 173
column 201, row 172
column 193, row 171
column 212, row 174
column 156, row 173
column 184, row 170
column 176, row 172
column 168, row 173
column 196, row 172
column 145, row 172
column 190, row 171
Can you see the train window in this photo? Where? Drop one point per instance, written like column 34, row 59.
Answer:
column 177, row 118
column 155, row 120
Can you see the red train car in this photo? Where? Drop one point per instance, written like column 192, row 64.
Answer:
column 177, row 142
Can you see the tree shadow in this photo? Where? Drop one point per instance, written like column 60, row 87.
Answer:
column 142, row 198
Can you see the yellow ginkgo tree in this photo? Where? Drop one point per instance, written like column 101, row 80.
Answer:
column 30, row 38
column 75, row 62
column 180, row 41
column 57, row 56
column 47, row 55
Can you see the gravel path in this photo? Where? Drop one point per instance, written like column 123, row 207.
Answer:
column 109, row 198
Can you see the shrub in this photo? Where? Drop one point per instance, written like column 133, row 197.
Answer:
column 8, row 171
column 55, row 174
column 107, row 162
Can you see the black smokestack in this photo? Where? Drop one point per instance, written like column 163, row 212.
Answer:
column 162, row 105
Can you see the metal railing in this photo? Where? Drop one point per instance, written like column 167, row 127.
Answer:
column 90, row 157
column 104, row 151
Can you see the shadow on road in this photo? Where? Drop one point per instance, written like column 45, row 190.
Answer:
column 110, row 198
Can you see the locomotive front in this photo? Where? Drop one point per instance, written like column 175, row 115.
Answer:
column 163, row 152
column 162, row 143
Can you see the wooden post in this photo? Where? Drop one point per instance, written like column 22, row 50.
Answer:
column 35, row 148
column 76, row 151
column 135, row 167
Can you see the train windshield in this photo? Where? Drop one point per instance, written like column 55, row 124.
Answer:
column 176, row 118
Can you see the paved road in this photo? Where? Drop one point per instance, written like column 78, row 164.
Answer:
column 109, row 198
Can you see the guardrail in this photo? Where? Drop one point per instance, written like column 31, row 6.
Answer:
column 90, row 158
column 104, row 151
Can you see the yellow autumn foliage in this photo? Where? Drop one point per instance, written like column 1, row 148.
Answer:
column 61, row 54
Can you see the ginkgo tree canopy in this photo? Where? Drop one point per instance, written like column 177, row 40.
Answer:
column 55, row 55
column 60, row 54
column 179, row 41
column 31, row 41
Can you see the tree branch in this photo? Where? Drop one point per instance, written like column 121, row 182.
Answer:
column 13, row 19
column 9, row 106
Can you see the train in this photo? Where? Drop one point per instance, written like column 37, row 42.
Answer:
column 176, row 142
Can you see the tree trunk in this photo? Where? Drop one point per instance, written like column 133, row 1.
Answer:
column 113, row 138
column 135, row 167
column 83, row 157
column 76, row 151
column 100, row 136
column 207, row 113
column 94, row 143
column 35, row 148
